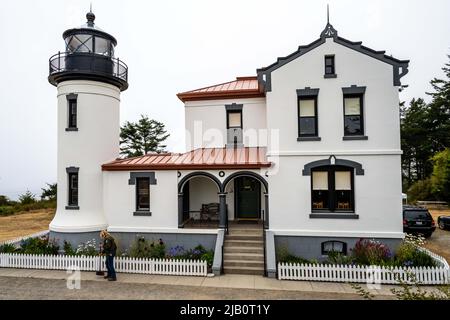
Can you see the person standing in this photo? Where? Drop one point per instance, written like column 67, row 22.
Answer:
column 109, row 249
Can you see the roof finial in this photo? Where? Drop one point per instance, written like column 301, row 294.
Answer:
column 328, row 13
column 90, row 16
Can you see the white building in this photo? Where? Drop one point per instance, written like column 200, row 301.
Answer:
column 306, row 153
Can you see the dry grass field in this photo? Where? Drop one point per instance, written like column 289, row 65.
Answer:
column 439, row 242
column 25, row 223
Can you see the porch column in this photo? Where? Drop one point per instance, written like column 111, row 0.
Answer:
column 266, row 210
column 222, row 210
column 180, row 210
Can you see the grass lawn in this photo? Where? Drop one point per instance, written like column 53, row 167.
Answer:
column 22, row 224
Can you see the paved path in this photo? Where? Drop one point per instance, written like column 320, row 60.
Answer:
column 50, row 284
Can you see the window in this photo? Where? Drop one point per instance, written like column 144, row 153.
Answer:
column 329, row 66
column 307, row 120
column 73, row 189
column 234, row 127
column 72, row 113
column 332, row 189
column 143, row 194
column 334, row 246
column 353, row 115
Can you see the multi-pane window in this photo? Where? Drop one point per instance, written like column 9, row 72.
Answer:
column 307, row 120
column 73, row 189
column 72, row 113
column 234, row 126
column 143, row 194
column 353, row 115
column 332, row 189
column 329, row 65
column 334, row 246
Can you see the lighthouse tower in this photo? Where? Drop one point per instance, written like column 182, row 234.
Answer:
column 89, row 80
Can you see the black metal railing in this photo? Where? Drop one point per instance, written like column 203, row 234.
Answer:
column 264, row 242
column 88, row 62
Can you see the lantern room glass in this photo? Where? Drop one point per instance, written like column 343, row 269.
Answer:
column 86, row 43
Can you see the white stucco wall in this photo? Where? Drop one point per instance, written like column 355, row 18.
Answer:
column 377, row 200
column 96, row 142
column 381, row 102
column 205, row 122
column 120, row 203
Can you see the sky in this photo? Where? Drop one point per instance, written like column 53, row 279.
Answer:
column 174, row 46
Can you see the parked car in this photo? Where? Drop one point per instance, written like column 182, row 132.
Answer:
column 417, row 220
column 443, row 222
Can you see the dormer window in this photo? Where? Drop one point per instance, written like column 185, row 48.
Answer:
column 72, row 112
column 330, row 70
column 234, row 124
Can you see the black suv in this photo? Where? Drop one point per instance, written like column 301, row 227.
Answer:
column 418, row 220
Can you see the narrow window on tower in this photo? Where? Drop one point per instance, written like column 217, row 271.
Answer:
column 72, row 112
column 72, row 197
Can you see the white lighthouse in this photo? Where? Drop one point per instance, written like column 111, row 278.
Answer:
column 89, row 80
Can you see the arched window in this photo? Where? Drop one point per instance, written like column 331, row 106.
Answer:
column 332, row 189
column 334, row 246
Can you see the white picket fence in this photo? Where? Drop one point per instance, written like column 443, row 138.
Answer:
column 366, row 274
column 91, row 263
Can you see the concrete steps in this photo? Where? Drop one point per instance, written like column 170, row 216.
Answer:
column 244, row 250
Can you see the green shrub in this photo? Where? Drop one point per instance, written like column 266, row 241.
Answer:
column 283, row 255
column 408, row 254
column 143, row 248
column 7, row 210
column 42, row 245
column 421, row 190
column 4, row 200
column 208, row 256
column 335, row 257
column 8, row 248
column 68, row 249
column 27, row 198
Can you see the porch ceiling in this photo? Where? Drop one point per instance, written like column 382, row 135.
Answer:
column 203, row 158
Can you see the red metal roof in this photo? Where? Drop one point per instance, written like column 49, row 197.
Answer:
column 204, row 158
column 242, row 87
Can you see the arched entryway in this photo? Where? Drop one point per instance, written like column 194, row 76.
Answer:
column 199, row 199
column 247, row 191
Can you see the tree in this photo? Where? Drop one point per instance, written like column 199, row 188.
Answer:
column 425, row 130
column 440, row 179
column 4, row 200
column 139, row 138
column 27, row 198
column 49, row 192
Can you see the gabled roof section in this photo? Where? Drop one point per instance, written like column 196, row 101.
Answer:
column 400, row 66
column 202, row 158
column 242, row 87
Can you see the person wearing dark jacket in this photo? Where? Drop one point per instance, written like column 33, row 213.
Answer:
column 109, row 249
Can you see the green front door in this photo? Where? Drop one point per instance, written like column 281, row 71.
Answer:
column 247, row 198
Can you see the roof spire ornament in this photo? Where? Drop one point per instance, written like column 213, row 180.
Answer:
column 90, row 16
column 329, row 31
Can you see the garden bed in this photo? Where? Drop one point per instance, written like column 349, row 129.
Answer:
column 145, row 257
column 371, row 262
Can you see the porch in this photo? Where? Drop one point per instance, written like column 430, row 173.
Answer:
column 206, row 201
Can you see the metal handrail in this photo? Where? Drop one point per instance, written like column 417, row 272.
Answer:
column 264, row 241
column 57, row 63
